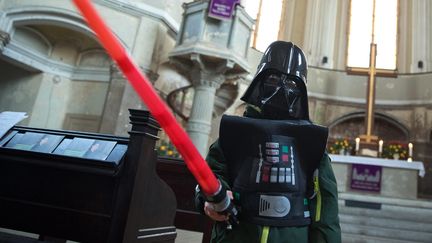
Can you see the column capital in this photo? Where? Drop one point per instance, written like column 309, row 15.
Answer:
column 115, row 72
column 201, row 77
column 4, row 39
column 202, row 70
column 208, row 73
column 151, row 75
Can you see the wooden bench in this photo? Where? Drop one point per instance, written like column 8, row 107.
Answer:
column 71, row 196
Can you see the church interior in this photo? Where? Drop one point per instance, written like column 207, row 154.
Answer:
column 369, row 81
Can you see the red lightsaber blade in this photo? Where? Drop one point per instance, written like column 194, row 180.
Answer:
column 194, row 161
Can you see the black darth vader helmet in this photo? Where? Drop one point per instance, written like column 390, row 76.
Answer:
column 279, row 86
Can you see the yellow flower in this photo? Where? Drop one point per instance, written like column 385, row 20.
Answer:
column 163, row 148
column 170, row 152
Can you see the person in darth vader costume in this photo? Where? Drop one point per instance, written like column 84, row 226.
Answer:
column 273, row 161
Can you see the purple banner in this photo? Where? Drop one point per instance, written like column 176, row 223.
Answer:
column 366, row 177
column 222, row 9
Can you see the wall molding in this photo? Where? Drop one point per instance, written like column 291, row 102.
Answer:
column 33, row 61
column 43, row 15
column 36, row 15
column 378, row 102
column 377, row 115
column 142, row 9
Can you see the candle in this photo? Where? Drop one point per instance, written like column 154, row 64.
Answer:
column 380, row 147
column 357, row 147
column 410, row 150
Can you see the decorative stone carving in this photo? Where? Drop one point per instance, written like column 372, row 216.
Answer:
column 151, row 75
column 205, row 77
column 4, row 40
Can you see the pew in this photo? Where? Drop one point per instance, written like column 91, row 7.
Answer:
column 86, row 187
column 175, row 173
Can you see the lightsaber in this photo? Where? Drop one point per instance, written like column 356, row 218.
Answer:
column 194, row 161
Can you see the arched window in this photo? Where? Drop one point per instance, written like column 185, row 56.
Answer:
column 267, row 15
column 373, row 21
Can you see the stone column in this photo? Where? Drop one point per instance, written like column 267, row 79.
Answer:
column 341, row 37
column 205, row 81
column 4, row 40
column 404, row 37
column 120, row 97
column 113, row 100
column 292, row 25
column 419, row 125
column 319, row 114
column 321, row 20
column 421, row 34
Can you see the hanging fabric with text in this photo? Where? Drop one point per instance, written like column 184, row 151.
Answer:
column 366, row 177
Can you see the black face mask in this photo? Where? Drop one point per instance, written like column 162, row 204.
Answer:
column 280, row 97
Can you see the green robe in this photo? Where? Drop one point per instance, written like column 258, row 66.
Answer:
column 323, row 207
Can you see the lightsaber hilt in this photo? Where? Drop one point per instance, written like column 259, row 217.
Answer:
column 223, row 204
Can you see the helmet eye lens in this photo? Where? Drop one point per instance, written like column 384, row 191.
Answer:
column 272, row 80
column 290, row 84
column 270, row 85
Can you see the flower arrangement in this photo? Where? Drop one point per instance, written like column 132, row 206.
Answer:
column 395, row 151
column 167, row 149
column 341, row 146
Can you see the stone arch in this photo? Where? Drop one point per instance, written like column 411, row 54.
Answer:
column 58, row 100
column 31, row 37
column 352, row 125
column 44, row 15
column 65, row 18
column 93, row 57
column 65, row 63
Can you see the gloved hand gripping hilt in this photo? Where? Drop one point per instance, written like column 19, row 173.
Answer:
column 223, row 204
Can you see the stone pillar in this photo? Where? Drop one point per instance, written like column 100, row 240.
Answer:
column 292, row 21
column 319, row 114
column 404, row 37
column 4, row 40
column 120, row 97
column 205, row 82
column 419, row 136
column 113, row 100
column 321, row 20
column 421, row 34
column 419, row 125
column 341, row 37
